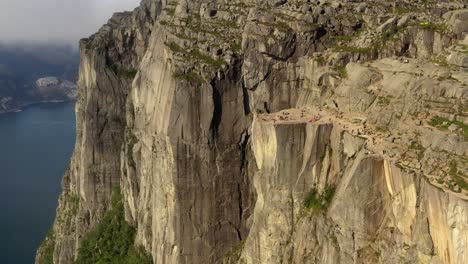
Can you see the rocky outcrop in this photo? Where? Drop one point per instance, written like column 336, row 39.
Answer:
column 380, row 213
column 274, row 132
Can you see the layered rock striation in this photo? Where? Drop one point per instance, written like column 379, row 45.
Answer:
column 275, row 132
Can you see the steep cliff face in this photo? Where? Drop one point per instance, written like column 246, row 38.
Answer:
column 108, row 64
column 380, row 212
column 275, row 132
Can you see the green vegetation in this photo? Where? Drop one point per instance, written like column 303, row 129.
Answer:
column 440, row 122
column 390, row 35
column 322, row 157
column 438, row 27
column 74, row 201
column 461, row 182
column 234, row 254
column 320, row 60
column 350, row 49
column 440, row 60
column 324, row 154
column 236, row 47
column 170, row 11
column 129, row 75
column 384, row 100
column 188, row 76
column 464, row 49
column 280, row 25
column 131, row 141
column 454, row 173
column 341, row 70
column 223, row 23
column 66, row 216
column 174, row 47
column 418, row 148
column 315, row 200
column 46, row 251
column 195, row 55
column 402, row 10
column 112, row 240
column 342, row 37
column 444, row 124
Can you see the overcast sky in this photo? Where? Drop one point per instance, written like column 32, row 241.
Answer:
column 55, row 21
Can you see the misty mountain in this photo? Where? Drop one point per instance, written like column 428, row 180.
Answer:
column 21, row 65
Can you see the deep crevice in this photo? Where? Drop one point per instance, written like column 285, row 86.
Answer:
column 217, row 111
column 246, row 100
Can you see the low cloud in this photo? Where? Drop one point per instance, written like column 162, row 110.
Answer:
column 56, row 21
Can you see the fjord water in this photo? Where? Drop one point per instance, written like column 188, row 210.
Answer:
column 35, row 149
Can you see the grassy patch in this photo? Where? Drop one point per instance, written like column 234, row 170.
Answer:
column 444, row 124
column 341, row 70
column 418, row 148
column 188, row 76
column 342, row 37
column 128, row 74
column 440, row 122
column 236, row 47
column 319, row 201
column 402, row 10
column 440, row 60
column 437, row 27
column 461, row 182
column 234, row 254
column 454, row 173
column 195, row 55
column 279, row 25
column 384, row 100
column 390, row 35
column 112, row 240
column 174, row 47
column 464, row 48
column 320, row 60
column 131, row 141
column 47, row 249
column 350, row 49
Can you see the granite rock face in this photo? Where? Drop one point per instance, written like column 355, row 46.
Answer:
column 275, row 132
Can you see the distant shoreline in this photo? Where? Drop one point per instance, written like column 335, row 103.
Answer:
column 27, row 105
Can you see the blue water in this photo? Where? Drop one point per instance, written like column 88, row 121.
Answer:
column 35, row 149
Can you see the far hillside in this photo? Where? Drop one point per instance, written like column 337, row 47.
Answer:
column 22, row 65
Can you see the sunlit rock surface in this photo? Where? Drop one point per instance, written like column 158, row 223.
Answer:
column 223, row 122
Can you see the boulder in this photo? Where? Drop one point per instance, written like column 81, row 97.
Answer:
column 458, row 21
column 453, row 128
column 458, row 59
